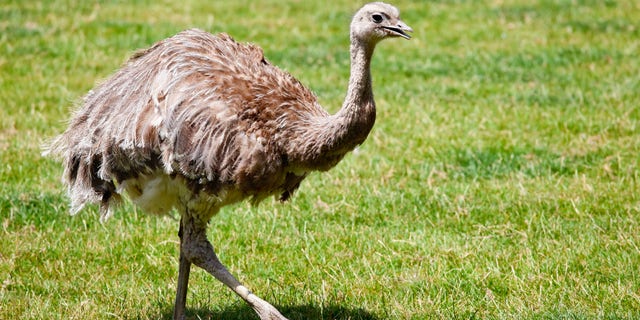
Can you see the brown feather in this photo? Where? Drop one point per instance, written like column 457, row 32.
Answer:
column 198, row 105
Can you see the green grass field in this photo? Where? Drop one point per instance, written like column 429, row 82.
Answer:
column 501, row 181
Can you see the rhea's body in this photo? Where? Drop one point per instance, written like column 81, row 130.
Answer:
column 199, row 121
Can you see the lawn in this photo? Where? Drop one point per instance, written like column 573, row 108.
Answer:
column 501, row 181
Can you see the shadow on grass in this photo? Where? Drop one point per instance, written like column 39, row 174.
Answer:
column 301, row 312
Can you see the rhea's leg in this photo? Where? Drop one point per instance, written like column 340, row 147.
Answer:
column 198, row 250
column 183, row 281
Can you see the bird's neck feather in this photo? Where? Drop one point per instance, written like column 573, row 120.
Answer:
column 358, row 112
column 332, row 137
column 358, row 108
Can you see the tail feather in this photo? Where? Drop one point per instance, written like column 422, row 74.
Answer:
column 82, row 177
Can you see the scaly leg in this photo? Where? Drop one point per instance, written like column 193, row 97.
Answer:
column 183, row 281
column 198, row 250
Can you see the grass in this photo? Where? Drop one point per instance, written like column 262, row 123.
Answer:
column 502, row 179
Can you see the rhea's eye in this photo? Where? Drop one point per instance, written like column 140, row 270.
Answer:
column 377, row 18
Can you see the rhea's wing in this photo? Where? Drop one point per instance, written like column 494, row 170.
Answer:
column 112, row 135
column 225, row 120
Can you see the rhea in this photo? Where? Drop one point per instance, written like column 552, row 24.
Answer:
column 198, row 121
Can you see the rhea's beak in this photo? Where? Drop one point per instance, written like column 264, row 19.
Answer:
column 400, row 30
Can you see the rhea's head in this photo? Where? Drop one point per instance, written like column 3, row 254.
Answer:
column 376, row 21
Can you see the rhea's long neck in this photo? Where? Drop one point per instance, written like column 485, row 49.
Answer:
column 328, row 139
column 358, row 112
